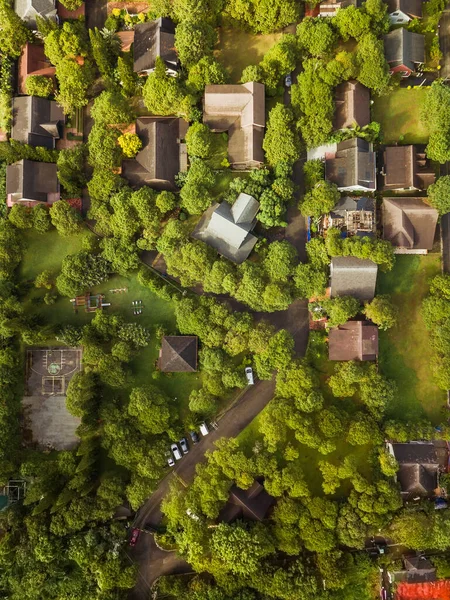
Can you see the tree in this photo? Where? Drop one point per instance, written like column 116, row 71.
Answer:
column 201, row 401
column 207, row 71
column 320, row 200
column 81, row 394
column 194, row 40
column 21, row 216
column 44, row 280
column 166, row 202
column 373, row 68
column 130, row 144
column 340, row 309
column 151, row 408
column 14, row 34
column 41, row 218
column 72, row 4
column 199, row 140
column 434, row 114
column 316, row 36
column 74, row 79
column 352, row 22
column 280, row 260
column 112, row 108
column 439, row 195
column 382, row 312
column 281, row 143
column 80, row 272
column 163, row 94
column 105, row 50
column 104, row 150
column 197, row 11
column 361, row 430
column 65, row 218
column 38, row 85
column 71, row 174
column 261, row 16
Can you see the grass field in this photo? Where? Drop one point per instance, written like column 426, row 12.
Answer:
column 399, row 115
column 404, row 349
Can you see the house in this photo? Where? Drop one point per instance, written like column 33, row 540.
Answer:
column 409, row 224
column 352, row 166
column 36, row 121
column 404, row 51
column 228, row 228
column 329, row 8
column 163, row 153
column 252, row 504
column 178, row 354
column 153, row 39
column 33, row 61
column 353, row 216
column 355, row 340
column 31, row 182
column 28, row 10
column 418, row 468
column 403, row 11
column 416, row 569
column 352, row 105
column 238, row 110
column 352, row 276
column 405, row 168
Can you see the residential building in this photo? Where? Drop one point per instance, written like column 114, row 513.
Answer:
column 153, row 39
column 33, row 61
column 238, row 110
column 352, row 276
column 228, row 228
column 37, row 121
column 178, row 354
column 353, row 216
column 403, row 11
column 329, row 8
column 163, row 154
column 405, row 168
column 352, row 105
column 31, row 182
column 409, row 224
column 352, row 167
column 404, row 51
column 252, row 504
column 28, row 10
column 355, row 340
column 418, row 468
column 415, row 569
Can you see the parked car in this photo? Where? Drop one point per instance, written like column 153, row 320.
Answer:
column 194, row 437
column 288, row 80
column 184, row 445
column 204, row 429
column 176, row 451
column 249, row 375
column 134, row 536
column 170, row 461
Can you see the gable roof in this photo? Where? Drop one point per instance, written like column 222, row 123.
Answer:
column 28, row 9
column 352, row 105
column 418, row 467
column 403, row 47
column 355, row 340
column 409, row 223
column 36, row 121
column 252, row 504
column 227, row 228
column 353, row 165
column 409, row 453
column 352, row 276
column 413, row 8
column 405, row 168
column 178, row 354
column 153, row 39
column 32, row 180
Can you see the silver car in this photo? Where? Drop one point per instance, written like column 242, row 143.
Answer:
column 176, row 451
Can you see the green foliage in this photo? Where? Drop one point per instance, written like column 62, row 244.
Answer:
column 65, row 218
column 199, row 139
column 382, row 312
column 39, row 85
column 439, row 195
column 130, row 144
column 104, row 150
column 151, row 409
column 320, row 200
column 164, row 95
column 373, row 69
column 112, row 108
column 21, row 216
column 316, row 36
column 14, row 33
column 71, row 170
column 379, row 251
column 261, row 16
column 128, row 79
column 72, row 4
column 434, row 111
column 6, row 115
column 201, row 401
column 80, row 272
column 339, row 310
column 207, row 71
column 193, row 41
column 281, row 143
column 105, row 51
column 195, row 194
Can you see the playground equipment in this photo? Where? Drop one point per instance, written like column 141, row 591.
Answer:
column 89, row 302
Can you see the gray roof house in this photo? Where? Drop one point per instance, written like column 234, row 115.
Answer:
column 416, row 569
column 178, row 354
column 251, row 504
column 31, row 181
column 404, row 51
column 418, row 468
column 228, row 228
column 352, row 168
column 163, row 153
column 240, row 111
column 409, row 224
column 403, row 11
column 36, row 121
column 352, row 276
column 29, row 9
column 153, row 39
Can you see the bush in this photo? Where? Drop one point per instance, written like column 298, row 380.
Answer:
column 130, row 144
column 199, row 140
column 38, row 85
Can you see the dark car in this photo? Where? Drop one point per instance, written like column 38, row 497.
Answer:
column 134, row 537
column 184, row 445
column 194, row 437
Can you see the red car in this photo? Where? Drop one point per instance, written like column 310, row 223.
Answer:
column 134, row 536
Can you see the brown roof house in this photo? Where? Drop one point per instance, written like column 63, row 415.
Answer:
column 403, row 11
column 240, row 111
column 178, row 354
column 153, row 39
column 163, row 153
column 352, row 276
column 404, row 51
column 31, row 182
column 355, row 340
column 227, row 228
column 355, row 216
column 37, row 121
column 418, row 468
column 33, row 61
column 352, row 105
column 409, row 224
column 252, row 504
column 405, row 168
column 329, row 8
column 29, row 9
column 416, row 569
column 352, row 167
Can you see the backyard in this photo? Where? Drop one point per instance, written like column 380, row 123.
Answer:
column 404, row 349
column 399, row 116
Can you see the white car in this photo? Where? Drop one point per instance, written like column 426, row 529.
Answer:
column 176, row 451
column 204, row 429
column 170, row 462
column 249, row 375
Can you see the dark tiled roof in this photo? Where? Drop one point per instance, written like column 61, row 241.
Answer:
column 178, row 353
column 352, row 105
column 252, row 504
column 405, row 168
column 412, row 8
column 33, row 180
column 353, row 277
column 36, row 121
column 416, row 569
column 352, row 166
column 415, row 453
column 409, row 223
column 355, row 340
column 153, row 39
column 403, row 47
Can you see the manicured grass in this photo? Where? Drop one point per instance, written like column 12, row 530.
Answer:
column 399, row 115
column 404, row 353
column 219, row 156
column 238, row 49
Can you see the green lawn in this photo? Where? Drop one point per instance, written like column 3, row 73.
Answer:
column 405, row 349
column 399, row 115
